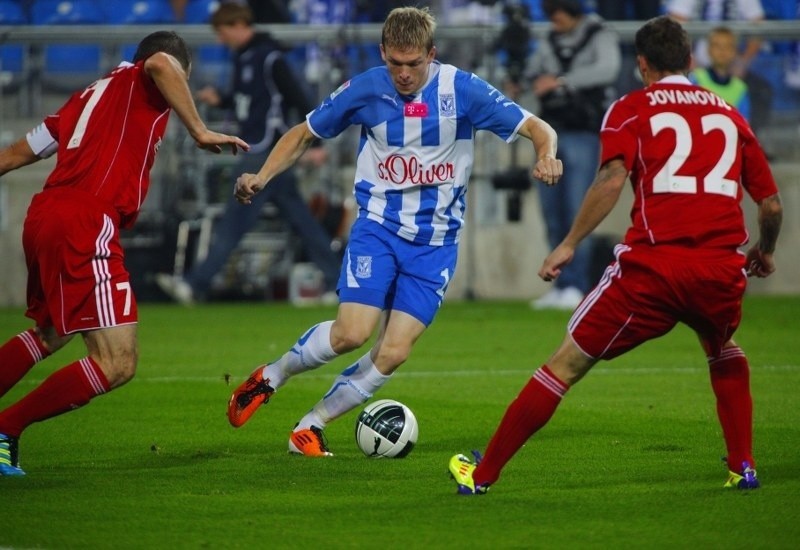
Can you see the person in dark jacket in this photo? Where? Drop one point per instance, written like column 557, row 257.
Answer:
column 263, row 94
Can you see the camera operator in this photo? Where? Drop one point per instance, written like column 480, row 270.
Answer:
column 574, row 68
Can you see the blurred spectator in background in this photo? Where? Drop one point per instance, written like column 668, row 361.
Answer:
column 263, row 95
column 751, row 11
column 325, row 69
column 574, row 70
column 622, row 10
column 718, row 76
column 264, row 11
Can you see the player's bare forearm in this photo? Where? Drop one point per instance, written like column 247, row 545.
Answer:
column 548, row 169
column 542, row 135
column 285, row 153
column 770, row 218
column 598, row 202
column 171, row 80
column 287, row 150
column 16, row 155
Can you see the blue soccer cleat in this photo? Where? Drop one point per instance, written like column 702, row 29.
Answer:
column 746, row 479
column 461, row 469
column 9, row 456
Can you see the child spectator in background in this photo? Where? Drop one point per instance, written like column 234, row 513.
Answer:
column 719, row 76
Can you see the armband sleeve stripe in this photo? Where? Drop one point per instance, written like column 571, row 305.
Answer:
column 41, row 142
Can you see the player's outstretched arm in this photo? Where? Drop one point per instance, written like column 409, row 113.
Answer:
column 16, row 155
column 760, row 262
column 598, row 202
column 171, row 80
column 287, row 150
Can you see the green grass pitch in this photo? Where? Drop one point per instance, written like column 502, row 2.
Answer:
column 630, row 460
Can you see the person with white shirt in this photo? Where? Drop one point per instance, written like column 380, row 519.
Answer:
column 418, row 119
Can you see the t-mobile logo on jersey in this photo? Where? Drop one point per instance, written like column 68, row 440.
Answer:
column 399, row 170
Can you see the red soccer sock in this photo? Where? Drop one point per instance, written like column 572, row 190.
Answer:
column 730, row 379
column 67, row 389
column 17, row 356
column 526, row 415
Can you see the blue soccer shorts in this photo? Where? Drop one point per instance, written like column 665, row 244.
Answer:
column 386, row 271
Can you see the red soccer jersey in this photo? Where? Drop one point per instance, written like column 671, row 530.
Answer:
column 689, row 155
column 108, row 136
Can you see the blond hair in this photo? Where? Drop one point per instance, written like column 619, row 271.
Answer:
column 409, row 29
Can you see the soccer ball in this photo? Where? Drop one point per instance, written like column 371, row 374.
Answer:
column 386, row 428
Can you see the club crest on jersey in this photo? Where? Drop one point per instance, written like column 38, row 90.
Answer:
column 364, row 267
column 447, row 105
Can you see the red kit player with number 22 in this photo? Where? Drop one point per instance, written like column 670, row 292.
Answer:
column 689, row 156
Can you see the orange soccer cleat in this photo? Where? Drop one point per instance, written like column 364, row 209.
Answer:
column 249, row 396
column 309, row 442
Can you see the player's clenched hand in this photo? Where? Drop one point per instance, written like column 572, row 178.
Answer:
column 558, row 258
column 759, row 264
column 247, row 185
column 548, row 170
column 214, row 142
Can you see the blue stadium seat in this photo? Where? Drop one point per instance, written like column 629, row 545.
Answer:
column 11, row 55
column 67, row 12
column 199, row 11
column 140, row 12
column 11, row 58
column 68, row 65
column 212, row 61
column 11, row 13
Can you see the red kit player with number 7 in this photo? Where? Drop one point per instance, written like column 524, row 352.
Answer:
column 106, row 137
column 690, row 156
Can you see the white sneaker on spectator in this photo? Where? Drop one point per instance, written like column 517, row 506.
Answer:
column 176, row 288
column 547, row 300
column 569, row 298
column 559, row 298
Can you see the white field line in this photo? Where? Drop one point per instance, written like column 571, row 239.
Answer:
column 477, row 372
column 609, row 371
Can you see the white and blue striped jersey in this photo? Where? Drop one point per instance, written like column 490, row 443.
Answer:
column 416, row 152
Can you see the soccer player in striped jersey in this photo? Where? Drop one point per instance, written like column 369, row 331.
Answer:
column 106, row 138
column 418, row 119
column 690, row 157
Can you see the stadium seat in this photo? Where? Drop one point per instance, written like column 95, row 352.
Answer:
column 199, row 11
column 67, row 12
column 12, row 56
column 69, row 65
column 11, row 13
column 140, row 12
column 213, row 60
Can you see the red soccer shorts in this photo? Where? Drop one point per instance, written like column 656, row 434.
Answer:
column 646, row 292
column 77, row 279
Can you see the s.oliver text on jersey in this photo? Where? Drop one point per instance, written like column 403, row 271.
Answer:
column 399, row 170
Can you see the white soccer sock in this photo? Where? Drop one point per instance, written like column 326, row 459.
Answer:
column 353, row 387
column 312, row 350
